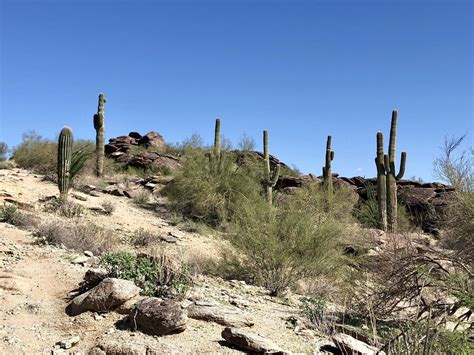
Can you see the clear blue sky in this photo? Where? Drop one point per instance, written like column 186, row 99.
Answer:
column 301, row 69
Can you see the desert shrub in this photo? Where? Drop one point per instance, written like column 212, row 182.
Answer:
column 203, row 192
column 246, row 143
column 10, row 214
column 156, row 275
column 425, row 337
column 36, row 153
column 314, row 308
column 3, row 151
column 142, row 198
column 300, row 238
column 77, row 236
column 142, row 238
column 455, row 168
column 459, row 226
column 6, row 164
column 70, row 209
column 108, row 207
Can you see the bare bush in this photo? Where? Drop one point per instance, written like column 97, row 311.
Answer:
column 9, row 213
column 143, row 238
column 108, row 207
column 142, row 198
column 77, row 236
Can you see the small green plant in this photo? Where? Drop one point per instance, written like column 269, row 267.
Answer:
column 156, row 276
column 314, row 309
column 10, row 214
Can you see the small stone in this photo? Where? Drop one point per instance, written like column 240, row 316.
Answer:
column 94, row 193
column 69, row 343
column 81, row 260
column 88, row 253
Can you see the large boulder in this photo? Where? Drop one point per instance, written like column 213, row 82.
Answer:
column 106, row 296
column 155, row 316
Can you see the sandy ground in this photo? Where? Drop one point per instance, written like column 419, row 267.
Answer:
column 35, row 282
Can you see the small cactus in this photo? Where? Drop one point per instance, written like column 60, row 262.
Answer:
column 65, row 142
column 386, row 170
column 270, row 177
column 327, row 173
column 99, row 126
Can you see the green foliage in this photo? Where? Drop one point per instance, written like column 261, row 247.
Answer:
column 36, row 153
column 78, row 160
column 211, row 196
column 299, row 238
column 314, row 308
column 154, row 276
column 10, row 214
column 424, row 337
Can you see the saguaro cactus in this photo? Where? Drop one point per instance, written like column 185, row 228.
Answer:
column 270, row 177
column 217, row 139
column 65, row 142
column 381, row 184
column 99, row 126
column 327, row 173
column 387, row 169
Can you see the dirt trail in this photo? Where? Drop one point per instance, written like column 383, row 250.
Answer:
column 35, row 282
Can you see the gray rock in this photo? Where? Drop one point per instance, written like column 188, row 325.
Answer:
column 68, row 343
column 351, row 346
column 106, row 296
column 157, row 317
column 223, row 315
column 250, row 342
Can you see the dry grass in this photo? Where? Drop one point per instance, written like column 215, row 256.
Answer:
column 77, row 236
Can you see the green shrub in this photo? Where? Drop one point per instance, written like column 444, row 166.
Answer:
column 459, row 226
column 6, row 164
column 36, row 153
column 155, row 276
column 314, row 308
column 211, row 195
column 10, row 214
column 299, row 238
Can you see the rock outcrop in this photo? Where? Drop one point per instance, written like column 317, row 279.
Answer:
column 426, row 202
column 120, row 149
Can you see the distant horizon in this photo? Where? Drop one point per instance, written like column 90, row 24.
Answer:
column 303, row 70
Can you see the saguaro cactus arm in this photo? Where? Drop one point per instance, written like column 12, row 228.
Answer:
column 403, row 160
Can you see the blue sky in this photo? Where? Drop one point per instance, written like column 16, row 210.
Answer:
column 301, row 69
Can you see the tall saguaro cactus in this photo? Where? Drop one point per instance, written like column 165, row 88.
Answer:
column 217, row 139
column 381, row 184
column 386, row 169
column 327, row 173
column 270, row 177
column 65, row 142
column 99, row 126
